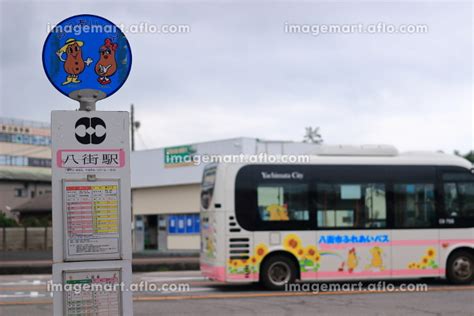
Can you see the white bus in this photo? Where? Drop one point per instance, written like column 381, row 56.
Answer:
column 339, row 217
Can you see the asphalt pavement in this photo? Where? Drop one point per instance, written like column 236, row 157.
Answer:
column 188, row 293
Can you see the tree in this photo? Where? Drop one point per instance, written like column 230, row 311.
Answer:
column 312, row 135
column 469, row 156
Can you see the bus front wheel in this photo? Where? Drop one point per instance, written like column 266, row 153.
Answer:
column 460, row 267
column 278, row 271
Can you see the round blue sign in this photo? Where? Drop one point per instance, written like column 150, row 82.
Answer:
column 87, row 52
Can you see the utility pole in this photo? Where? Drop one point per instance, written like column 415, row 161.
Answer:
column 134, row 125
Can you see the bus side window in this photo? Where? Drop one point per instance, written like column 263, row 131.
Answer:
column 414, row 205
column 466, row 193
column 459, row 195
column 354, row 205
column 451, row 201
column 285, row 202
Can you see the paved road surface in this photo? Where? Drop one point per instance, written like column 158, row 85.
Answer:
column 27, row 294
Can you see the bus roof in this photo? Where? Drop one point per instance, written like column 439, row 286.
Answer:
column 406, row 158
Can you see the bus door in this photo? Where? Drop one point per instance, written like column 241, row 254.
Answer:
column 415, row 236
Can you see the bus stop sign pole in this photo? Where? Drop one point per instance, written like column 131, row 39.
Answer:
column 87, row 58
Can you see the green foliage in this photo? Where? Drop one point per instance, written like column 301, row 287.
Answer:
column 7, row 222
column 469, row 156
column 35, row 222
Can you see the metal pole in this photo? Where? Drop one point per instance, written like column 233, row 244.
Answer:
column 132, row 126
column 87, row 98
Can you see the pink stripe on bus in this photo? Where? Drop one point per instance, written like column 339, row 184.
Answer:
column 427, row 242
column 351, row 245
column 347, row 274
column 240, row 277
column 219, row 273
column 385, row 273
column 414, row 272
column 213, row 272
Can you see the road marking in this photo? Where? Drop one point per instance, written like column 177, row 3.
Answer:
column 36, row 302
column 170, row 279
column 44, row 287
column 251, row 295
column 24, row 288
column 22, row 295
column 23, row 282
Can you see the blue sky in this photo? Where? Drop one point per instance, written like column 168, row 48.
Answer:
column 238, row 73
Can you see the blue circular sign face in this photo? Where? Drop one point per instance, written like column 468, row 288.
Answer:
column 87, row 52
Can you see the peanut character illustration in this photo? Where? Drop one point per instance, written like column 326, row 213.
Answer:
column 106, row 66
column 377, row 261
column 284, row 212
column 73, row 64
column 352, row 260
column 278, row 212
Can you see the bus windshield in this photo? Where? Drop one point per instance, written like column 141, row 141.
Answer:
column 207, row 186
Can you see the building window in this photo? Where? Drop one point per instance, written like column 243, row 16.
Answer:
column 351, row 205
column 20, row 192
column 414, row 205
column 25, row 139
column 7, row 160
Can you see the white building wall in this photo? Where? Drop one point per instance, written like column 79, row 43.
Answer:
column 179, row 199
column 148, row 166
column 165, row 190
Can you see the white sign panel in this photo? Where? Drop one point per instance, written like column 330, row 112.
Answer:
column 91, row 185
column 102, row 296
column 92, row 288
column 92, row 219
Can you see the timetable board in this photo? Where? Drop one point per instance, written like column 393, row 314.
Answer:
column 96, row 292
column 91, row 215
column 94, row 288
